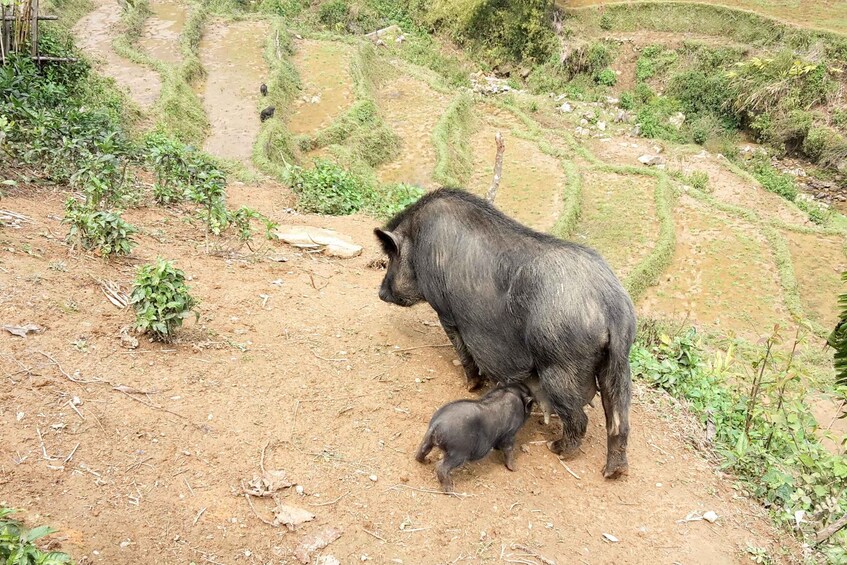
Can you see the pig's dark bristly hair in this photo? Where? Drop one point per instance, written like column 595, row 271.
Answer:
column 497, row 218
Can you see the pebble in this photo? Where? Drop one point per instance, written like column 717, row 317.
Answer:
column 373, row 478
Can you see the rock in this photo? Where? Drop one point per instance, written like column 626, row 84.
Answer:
column 566, row 108
column 525, row 72
column 583, row 122
column 581, row 131
column 328, row 241
column 400, row 39
column 636, row 131
column 611, row 100
column 22, row 331
column 622, row 116
column 677, row 120
column 314, row 542
column 128, row 341
column 601, row 126
column 651, row 160
column 291, row 516
column 380, row 43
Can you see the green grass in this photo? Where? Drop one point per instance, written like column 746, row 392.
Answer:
column 454, row 162
column 178, row 112
column 647, row 273
column 361, row 129
column 275, row 147
column 707, row 19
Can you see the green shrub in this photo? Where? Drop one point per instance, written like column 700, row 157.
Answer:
column 16, row 543
column 161, row 300
column 334, row 12
column 588, row 59
column 394, row 198
column 605, row 22
column 498, row 31
column 764, row 430
column 825, row 146
column 606, row 77
column 329, row 189
column 627, row 100
column 653, row 60
column 818, row 213
column 700, row 93
column 838, row 338
column 706, row 127
column 105, row 232
column 771, row 179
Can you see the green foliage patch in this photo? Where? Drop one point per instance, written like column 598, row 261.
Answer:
column 17, row 545
column 161, row 300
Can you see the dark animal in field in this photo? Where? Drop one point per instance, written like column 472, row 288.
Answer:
column 519, row 305
column 267, row 113
column 466, row 430
column 264, row 89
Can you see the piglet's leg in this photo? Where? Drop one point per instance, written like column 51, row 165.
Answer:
column 508, row 449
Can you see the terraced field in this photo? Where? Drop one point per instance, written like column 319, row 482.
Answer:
column 301, row 358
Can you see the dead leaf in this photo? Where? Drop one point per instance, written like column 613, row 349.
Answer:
column 328, row 241
column 22, row 331
column 277, row 258
column 291, row 516
column 610, row 538
column 268, row 484
column 316, row 541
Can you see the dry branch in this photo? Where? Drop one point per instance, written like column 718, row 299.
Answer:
column 498, row 168
column 831, row 530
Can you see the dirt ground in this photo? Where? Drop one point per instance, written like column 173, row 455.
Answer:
column 142, row 455
column 300, row 356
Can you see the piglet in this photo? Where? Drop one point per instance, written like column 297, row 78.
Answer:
column 466, row 430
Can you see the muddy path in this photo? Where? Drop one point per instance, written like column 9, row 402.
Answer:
column 322, row 375
column 231, row 54
column 324, row 69
column 411, row 108
column 722, row 276
column 532, row 184
column 160, row 36
column 94, row 34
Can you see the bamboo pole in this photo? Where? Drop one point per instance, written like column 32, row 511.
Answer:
column 34, row 27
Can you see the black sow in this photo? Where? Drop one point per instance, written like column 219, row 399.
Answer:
column 518, row 306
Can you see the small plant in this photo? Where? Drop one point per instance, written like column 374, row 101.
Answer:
column 699, row 180
column 771, row 179
column 329, row 189
column 627, row 100
column 161, row 300
column 606, row 22
column 16, row 543
column 819, row 213
column 606, row 77
column 240, row 219
column 105, row 232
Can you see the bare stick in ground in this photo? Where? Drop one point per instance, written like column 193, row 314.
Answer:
column 498, row 168
column 831, row 530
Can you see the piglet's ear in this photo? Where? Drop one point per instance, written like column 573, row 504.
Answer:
column 390, row 241
column 527, row 402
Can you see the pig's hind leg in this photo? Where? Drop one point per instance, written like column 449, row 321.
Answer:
column 442, row 471
column 425, row 447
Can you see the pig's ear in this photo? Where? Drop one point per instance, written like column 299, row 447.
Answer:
column 527, row 402
column 390, row 241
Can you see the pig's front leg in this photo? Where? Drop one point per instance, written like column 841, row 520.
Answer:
column 475, row 380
